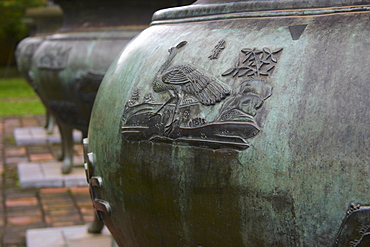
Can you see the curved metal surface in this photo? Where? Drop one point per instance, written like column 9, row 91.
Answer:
column 274, row 161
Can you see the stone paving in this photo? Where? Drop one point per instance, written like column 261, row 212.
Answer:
column 72, row 236
column 48, row 174
column 23, row 209
column 38, row 135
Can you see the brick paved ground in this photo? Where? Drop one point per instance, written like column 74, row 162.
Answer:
column 22, row 209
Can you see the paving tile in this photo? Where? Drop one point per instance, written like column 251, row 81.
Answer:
column 45, row 238
column 10, row 123
column 42, row 183
column 23, row 220
column 56, row 203
column 24, row 211
column 79, row 190
column 92, row 241
column 75, row 232
column 14, row 240
column 52, row 170
column 64, row 223
column 53, row 190
column 87, row 210
column 48, row 174
column 18, row 151
column 15, row 160
column 78, row 237
column 28, row 171
column 51, row 207
column 54, row 199
column 30, row 121
column 16, row 192
column 60, row 209
column 85, row 205
column 41, row 157
column 65, row 212
column 38, row 149
column 74, row 218
column 47, row 220
column 31, row 175
column 39, row 135
column 74, row 182
column 88, row 218
column 21, row 202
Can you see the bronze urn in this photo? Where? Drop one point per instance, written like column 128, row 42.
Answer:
column 237, row 123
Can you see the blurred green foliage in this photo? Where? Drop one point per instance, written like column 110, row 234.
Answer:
column 12, row 13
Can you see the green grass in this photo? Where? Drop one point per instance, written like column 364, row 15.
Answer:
column 18, row 98
column 15, row 87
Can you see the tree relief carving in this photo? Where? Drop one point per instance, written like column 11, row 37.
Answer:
column 201, row 109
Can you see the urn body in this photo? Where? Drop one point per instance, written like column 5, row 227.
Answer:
column 237, row 124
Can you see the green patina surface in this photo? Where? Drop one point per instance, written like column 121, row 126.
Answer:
column 291, row 187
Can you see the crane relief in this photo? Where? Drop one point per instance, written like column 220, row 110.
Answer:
column 200, row 108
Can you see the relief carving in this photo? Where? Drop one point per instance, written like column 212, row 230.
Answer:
column 355, row 228
column 193, row 93
column 217, row 50
column 364, row 239
column 54, row 59
column 254, row 62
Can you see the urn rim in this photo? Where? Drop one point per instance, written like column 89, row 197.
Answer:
column 201, row 10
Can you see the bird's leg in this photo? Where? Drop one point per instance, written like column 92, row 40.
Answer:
column 169, row 127
column 162, row 106
column 172, row 96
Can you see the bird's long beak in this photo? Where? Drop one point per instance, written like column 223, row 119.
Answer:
column 181, row 44
column 178, row 46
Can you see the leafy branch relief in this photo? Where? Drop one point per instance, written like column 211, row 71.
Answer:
column 254, row 63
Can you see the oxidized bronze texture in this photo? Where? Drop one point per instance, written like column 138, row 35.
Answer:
column 237, row 124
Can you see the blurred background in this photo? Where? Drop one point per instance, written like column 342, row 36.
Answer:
column 15, row 25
